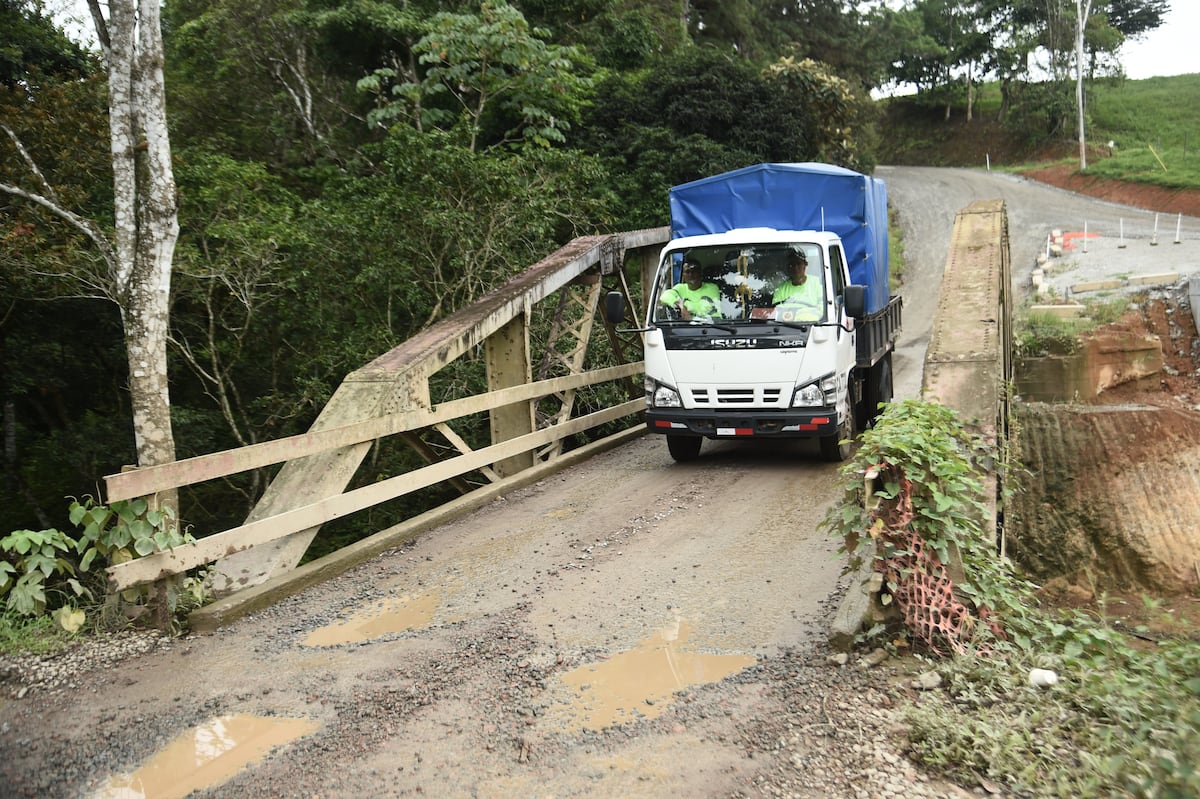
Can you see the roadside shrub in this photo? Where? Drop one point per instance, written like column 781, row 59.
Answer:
column 37, row 572
column 1042, row 334
column 1122, row 719
column 50, row 572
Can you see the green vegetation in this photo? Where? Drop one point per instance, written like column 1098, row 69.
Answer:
column 926, row 466
column 1155, row 126
column 36, row 635
column 895, row 252
column 50, row 574
column 1041, row 333
column 1123, row 717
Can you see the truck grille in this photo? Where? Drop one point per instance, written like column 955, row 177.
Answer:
column 737, row 397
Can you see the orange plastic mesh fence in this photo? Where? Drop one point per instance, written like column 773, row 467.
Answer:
column 919, row 582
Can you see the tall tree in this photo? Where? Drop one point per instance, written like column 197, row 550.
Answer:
column 145, row 209
column 1083, row 10
column 138, row 254
column 1134, row 17
column 487, row 69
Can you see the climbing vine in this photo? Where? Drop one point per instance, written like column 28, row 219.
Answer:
column 914, row 503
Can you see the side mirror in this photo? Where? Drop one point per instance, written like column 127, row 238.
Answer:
column 856, row 301
column 614, row 307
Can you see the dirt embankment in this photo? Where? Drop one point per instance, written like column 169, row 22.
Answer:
column 1110, row 503
column 1138, row 195
column 1109, row 500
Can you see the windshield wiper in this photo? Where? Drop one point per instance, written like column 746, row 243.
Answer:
column 694, row 323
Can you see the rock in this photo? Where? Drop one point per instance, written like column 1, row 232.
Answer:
column 855, row 606
column 874, row 659
column 1042, row 678
column 926, row 682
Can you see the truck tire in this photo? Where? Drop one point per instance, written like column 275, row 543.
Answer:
column 877, row 390
column 684, row 448
column 837, row 447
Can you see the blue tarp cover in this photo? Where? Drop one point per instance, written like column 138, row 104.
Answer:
column 806, row 196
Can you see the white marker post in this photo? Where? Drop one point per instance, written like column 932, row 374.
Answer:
column 1154, row 238
column 1121, row 242
column 1178, row 225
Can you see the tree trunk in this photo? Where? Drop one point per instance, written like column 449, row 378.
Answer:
column 147, row 224
column 970, row 91
column 1082, row 11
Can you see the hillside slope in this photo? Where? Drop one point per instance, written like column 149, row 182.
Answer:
column 917, row 136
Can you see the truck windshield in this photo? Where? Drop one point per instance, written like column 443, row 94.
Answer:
column 782, row 282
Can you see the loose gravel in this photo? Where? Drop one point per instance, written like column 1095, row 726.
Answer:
column 808, row 722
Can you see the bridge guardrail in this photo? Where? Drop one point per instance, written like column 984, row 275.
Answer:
column 530, row 405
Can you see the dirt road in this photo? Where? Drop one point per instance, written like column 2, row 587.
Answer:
column 630, row 627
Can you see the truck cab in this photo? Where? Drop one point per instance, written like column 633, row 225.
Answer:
column 770, row 313
column 770, row 358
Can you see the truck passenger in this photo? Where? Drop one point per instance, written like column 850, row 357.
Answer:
column 693, row 297
column 799, row 299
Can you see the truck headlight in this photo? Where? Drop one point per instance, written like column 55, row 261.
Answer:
column 660, row 395
column 819, row 394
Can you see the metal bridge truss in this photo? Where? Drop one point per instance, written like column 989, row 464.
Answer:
column 536, row 337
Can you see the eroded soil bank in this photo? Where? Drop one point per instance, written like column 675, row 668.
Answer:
column 1110, row 500
column 1139, row 195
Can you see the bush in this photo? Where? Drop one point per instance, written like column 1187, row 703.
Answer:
column 40, row 572
column 1122, row 719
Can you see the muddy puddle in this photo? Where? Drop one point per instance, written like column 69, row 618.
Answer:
column 409, row 612
column 640, row 683
column 206, row 756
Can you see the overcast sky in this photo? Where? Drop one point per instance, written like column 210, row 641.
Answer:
column 1171, row 49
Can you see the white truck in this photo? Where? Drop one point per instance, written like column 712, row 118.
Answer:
column 755, row 347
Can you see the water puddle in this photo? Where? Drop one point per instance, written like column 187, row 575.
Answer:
column 641, row 682
column 205, row 756
column 390, row 616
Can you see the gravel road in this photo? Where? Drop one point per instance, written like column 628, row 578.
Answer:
column 630, row 627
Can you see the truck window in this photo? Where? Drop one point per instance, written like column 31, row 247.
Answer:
column 837, row 264
column 740, row 283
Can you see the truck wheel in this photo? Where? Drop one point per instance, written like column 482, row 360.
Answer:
column 878, row 389
column 837, row 447
column 684, row 448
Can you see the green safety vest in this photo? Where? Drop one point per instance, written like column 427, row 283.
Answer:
column 800, row 303
column 704, row 301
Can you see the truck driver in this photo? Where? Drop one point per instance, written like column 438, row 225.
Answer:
column 799, row 299
column 693, row 297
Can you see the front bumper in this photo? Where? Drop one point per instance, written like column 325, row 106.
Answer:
column 814, row 423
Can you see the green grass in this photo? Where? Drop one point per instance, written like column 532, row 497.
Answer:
column 1155, row 124
column 40, row 635
column 1039, row 333
column 895, row 253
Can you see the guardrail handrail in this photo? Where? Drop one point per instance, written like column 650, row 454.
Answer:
column 287, row 518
